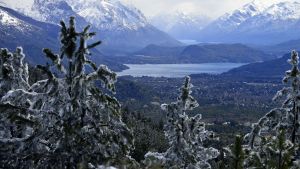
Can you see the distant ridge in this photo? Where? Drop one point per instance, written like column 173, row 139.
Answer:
column 203, row 53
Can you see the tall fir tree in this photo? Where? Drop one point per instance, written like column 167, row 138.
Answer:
column 278, row 130
column 286, row 117
column 186, row 136
column 67, row 121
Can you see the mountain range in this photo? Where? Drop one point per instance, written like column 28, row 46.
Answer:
column 120, row 27
column 256, row 23
column 273, row 28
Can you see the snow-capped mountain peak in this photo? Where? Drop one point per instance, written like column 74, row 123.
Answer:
column 272, row 8
column 106, row 14
column 232, row 20
column 103, row 14
column 261, row 21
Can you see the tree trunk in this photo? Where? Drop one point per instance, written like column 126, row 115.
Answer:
column 295, row 123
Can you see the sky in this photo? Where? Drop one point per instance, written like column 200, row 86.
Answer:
column 210, row 8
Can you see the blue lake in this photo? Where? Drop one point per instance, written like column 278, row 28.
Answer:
column 177, row 70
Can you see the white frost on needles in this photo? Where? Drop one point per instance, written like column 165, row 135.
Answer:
column 185, row 135
column 64, row 120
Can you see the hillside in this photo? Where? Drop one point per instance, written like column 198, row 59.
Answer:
column 281, row 48
column 272, row 68
column 204, row 53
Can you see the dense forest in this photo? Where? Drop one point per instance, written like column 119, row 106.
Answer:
column 66, row 114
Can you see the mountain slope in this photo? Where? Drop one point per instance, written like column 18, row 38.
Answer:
column 50, row 11
column 122, row 27
column 273, row 68
column 280, row 48
column 19, row 30
column 258, row 23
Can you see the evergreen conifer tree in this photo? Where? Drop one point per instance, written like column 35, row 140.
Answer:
column 185, row 135
column 286, row 117
column 274, row 139
column 274, row 152
column 237, row 154
column 13, row 75
column 66, row 120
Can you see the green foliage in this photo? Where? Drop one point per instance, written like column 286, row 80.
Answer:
column 237, row 153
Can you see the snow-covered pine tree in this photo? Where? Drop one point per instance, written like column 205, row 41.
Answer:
column 13, row 71
column 285, row 118
column 13, row 75
column 185, row 135
column 274, row 152
column 67, row 121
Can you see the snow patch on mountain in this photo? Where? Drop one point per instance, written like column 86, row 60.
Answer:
column 50, row 11
column 8, row 20
column 284, row 11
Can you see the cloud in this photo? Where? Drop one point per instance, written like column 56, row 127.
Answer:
column 211, row 8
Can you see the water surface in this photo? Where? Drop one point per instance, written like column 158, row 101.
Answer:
column 177, row 70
